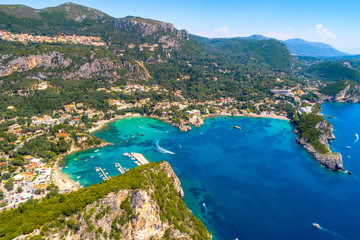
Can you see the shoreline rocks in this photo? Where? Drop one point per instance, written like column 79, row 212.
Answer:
column 332, row 161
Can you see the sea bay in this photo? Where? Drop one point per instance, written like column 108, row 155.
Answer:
column 256, row 183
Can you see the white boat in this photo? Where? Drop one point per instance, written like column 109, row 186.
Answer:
column 78, row 177
column 96, row 150
column 92, row 156
column 316, row 225
column 347, row 146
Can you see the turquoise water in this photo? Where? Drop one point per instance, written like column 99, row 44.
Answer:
column 257, row 183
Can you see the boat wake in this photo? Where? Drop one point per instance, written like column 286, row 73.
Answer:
column 161, row 149
column 357, row 137
column 333, row 233
column 205, row 210
column 151, row 129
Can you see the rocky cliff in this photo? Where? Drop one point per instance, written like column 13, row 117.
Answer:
column 153, row 210
column 350, row 94
column 332, row 161
column 164, row 33
column 55, row 64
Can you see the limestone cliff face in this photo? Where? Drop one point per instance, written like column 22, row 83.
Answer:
column 342, row 94
column 332, row 161
column 164, row 33
column 350, row 94
column 57, row 65
column 126, row 214
column 25, row 63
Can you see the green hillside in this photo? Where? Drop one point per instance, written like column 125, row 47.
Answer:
column 53, row 212
column 334, row 71
column 270, row 53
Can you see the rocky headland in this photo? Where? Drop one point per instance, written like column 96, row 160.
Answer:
column 144, row 203
column 330, row 160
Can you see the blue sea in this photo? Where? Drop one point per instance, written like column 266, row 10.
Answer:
column 256, row 183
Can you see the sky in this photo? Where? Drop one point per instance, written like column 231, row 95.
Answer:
column 336, row 22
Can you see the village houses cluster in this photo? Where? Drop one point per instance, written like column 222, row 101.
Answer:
column 73, row 39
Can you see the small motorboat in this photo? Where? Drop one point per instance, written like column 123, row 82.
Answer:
column 237, row 127
column 347, row 146
column 96, row 150
column 316, row 225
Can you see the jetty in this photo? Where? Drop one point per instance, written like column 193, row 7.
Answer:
column 140, row 159
column 120, row 168
column 104, row 174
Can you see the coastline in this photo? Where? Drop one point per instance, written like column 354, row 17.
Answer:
column 103, row 123
column 251, row 115
column 65, row 183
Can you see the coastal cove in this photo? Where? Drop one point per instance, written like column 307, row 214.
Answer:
column 256, row 183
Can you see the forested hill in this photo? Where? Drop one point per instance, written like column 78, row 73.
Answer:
column 117, row 52
column 269, row 52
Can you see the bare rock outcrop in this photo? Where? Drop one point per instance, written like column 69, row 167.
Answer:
column 332, row 161
column 47, row 61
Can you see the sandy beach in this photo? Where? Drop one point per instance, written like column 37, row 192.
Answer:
column 102, row 123
column 252, row 115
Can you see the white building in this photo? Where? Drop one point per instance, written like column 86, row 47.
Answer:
column 42, row 86
column 306, row 109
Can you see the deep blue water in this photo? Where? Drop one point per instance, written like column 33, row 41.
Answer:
column 257, row 183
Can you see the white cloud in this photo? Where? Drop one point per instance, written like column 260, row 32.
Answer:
column 223, row 32
column 279, row 35
column 323, row 32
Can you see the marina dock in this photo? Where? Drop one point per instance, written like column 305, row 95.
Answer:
column 104, row 174
column 120, row 168
column 140, row 159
